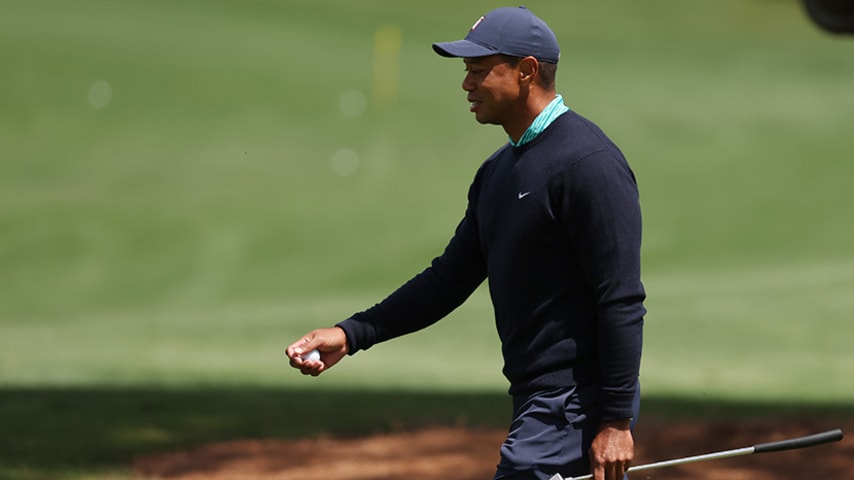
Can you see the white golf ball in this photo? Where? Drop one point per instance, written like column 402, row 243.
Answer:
column 312, row 356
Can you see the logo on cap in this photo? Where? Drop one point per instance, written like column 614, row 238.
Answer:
column 477, row 22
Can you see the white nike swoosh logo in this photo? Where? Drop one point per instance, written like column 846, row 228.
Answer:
column 523, row 195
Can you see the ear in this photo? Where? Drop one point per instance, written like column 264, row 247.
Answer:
column 528, row 68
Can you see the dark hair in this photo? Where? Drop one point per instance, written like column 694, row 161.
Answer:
column 548, row 71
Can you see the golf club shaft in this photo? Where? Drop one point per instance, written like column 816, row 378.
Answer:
column 790, row 444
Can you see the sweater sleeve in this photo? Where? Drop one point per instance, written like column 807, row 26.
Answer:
column 426, row 298
column 605, row 228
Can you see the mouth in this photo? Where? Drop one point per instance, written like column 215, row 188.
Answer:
column 473, row 104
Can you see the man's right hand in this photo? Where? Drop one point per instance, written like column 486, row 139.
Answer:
column 330, row 342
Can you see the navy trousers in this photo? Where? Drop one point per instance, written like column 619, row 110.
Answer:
column 551, row 432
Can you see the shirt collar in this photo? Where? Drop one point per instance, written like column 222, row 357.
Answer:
column 554, row 109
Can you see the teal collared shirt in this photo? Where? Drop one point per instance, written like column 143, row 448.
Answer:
column 554, row 109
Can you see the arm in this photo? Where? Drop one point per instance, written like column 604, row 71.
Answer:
column 421, row 301
column 427, row 297
column 607, row 234
column 605, row 229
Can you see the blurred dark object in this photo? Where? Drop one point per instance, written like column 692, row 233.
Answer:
column 835, row 16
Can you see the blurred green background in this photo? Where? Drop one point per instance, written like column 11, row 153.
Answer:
column 188, row 186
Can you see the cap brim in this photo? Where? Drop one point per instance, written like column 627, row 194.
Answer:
column 462, row 49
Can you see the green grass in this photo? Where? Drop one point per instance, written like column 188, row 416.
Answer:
column 164, row 243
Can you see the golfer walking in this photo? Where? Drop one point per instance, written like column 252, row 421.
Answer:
column 553, row 224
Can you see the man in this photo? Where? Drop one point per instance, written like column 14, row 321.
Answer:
column 553, row 223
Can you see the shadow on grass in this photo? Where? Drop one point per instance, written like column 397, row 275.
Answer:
column 56, row 429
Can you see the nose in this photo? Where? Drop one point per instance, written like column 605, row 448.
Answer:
column 468, row 83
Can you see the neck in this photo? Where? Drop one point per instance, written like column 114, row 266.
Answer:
column 528, row 113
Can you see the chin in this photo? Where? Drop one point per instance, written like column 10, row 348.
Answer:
column 485, row 120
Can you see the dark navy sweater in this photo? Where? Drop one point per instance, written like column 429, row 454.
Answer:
column 555, row 226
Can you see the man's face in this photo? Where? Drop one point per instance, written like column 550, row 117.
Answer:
column 493, row 89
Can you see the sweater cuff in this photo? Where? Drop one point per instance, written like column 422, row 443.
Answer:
column 619, row 405
column 360, row 335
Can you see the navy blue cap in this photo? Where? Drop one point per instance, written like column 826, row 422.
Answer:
column 513, row 31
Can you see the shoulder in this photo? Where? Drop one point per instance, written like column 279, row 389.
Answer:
column 578, row 153
column 571, row 139
column 578, row 136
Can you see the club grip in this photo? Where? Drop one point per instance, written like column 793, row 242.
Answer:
column 800, row 442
